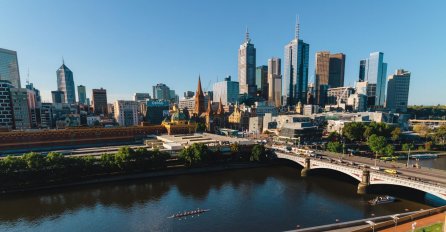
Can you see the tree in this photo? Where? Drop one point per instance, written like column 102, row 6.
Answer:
column 440, row 135
column 354, row 131
column 389, row 150
column 258, row 153
column 201, row 127
column 377, row 144
column 333, row 136
column 428, row 145
column 407, row 147
column 380, row 129
column 197, row 153
column 396, row 134
column 55, row 160
column 334, row 147
column 422, row 130
column 34, row 161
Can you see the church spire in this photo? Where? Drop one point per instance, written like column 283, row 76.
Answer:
column 199, row 99
column 209, row 110
column 199, row 90
column 220, row 109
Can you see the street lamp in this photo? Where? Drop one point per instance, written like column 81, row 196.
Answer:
column 395, row 219
column 408, row 156
column 372, row 224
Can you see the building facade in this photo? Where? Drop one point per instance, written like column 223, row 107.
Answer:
column 339, row 95
column 226, row 90
column 161, row 92
column 126, row 113
column 156, row 111
column 296, row 57
column 337, row 70
column 322, row 73
column 362, row 65
column 9, row 67
column 6, row 117
column 398, row 91
column 58, row 97
column 99, row 98
column 141, row 97
column 82, row 94
column 65, row 83
column 376, row 73
column 247, row 67
column 20, row 108
column 274, row 82
column 262, row 81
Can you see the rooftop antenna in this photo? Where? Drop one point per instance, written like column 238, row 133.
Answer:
column 27, row 78
column 63, row 61
column 247, row 35
column 296, row 35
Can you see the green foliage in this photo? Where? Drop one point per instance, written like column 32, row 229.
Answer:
column 422, row 130
column 354, row 131
column 428, row 145
column 379, row 129
column 396, row 134
column 334, row 147
column 389, row 150
column 377, row 143
column 195, row 154
column 334, row 136
column 407, row 147
column 258, row 153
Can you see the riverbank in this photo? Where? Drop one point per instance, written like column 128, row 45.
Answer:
column 169, row 171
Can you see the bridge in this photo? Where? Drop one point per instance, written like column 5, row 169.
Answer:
column 432, row 182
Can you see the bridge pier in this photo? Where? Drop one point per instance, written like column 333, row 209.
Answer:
column 365, row 182
column 305, row 171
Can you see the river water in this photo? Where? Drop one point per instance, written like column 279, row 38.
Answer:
column 263, row 199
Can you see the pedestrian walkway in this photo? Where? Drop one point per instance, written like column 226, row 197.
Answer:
column 418, row 225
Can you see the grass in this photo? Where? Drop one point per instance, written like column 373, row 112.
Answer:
column 431, row 228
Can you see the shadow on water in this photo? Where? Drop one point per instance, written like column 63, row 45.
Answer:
column 123, row 195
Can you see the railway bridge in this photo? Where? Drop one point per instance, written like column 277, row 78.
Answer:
column 366, row 176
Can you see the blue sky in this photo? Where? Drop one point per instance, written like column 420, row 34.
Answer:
column 129, row 46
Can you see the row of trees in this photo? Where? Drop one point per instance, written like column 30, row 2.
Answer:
column 199, row 154
column 357, row 131
column 37, row 168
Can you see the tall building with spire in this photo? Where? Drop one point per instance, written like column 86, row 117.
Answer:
column 65, row 83
column 296, row 69
column 200, row 108
column 247, row 67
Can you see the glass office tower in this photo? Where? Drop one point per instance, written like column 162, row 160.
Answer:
column 65, row 83
column 9, row 67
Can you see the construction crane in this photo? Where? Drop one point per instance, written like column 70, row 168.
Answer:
column 341, row 96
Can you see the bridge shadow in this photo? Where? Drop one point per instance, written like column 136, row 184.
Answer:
column 406, row 193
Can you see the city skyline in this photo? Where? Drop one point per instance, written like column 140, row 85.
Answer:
column 91, row 58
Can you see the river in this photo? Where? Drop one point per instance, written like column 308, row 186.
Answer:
column 263, row 199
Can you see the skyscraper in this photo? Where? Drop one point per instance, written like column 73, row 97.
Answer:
column 58, row 97
column 65, row 83
column 296, row 70
column 375, row 73
column 247, row 67
column 398, row 91
column 227, row 91
column 362, row 64
column 9, row 67
column 99, row 98
column 82, row 94
column 20, row 108
column 161, row 92
column 262, row 81
column 337, row 70
column 274, row 82
column 322, row 73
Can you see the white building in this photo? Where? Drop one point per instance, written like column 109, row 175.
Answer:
column 92, row 120
column 126, row 113
column 227, row 90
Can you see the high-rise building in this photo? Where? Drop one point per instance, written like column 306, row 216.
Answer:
column 362, row 65
column 58, row 97
column 99, row 99
column 126, row 113
column 82, row 94
column 157, row 111
column 375, row 73
column 274, row 82
column 35, row 105
column 9, row 67
column 226, row 90
column 6, row 117
column 200, row 107
column 141, row 97
column 296, row 70
column 337, row 70
column 262, row 81
column 322, row 74
column 247, row 67
column 189, row 94
column 161, row 92
column 20, row 108
column 398, row 91
column 65, row 83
